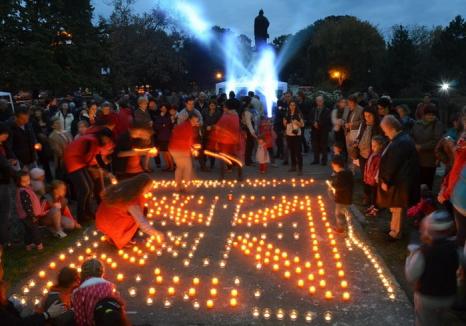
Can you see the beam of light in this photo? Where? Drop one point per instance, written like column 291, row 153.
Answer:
column 218, row 156
column 190, row 17
column 445, row 87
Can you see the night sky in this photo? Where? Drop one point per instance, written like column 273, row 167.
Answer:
column 289, row 16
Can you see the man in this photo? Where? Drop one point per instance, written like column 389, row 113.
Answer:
column 280, row 114
column 182, row 139
column 339, row 118
column 354, row 120
column 261, row 24
column 306, row 109
column 320, row 128
column 201, row 103
column 398, row 185
column 22, row 143
column 141, row 114
column 188, row 111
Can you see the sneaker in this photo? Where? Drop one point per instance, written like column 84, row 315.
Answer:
column 60, row 234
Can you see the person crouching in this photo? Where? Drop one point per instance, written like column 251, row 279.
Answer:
column 432, row 268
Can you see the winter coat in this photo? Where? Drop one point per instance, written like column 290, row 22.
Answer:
column 399, row 169
column 426, row 136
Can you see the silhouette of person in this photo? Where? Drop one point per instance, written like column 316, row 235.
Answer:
column 261, row 24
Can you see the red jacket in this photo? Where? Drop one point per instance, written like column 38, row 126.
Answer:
column 183, row 137
column 123, row 121
column 81, row 153
column 371, row 169
column 450, row 180
column 227, row 129
column 266, row 131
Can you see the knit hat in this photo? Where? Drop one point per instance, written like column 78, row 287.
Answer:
column 91, row 268
column 438, row 221
column 36, row 173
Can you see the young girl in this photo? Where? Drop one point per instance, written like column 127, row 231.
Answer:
column 266, row 131
column 120, row 214
column 371, row 171
column 56, row 198
column 30, row 209
column 262, row 155
column 33, row 212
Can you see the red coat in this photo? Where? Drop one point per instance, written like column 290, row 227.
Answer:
column 116, row 222
column 266, row 131
column 123, row 121
column 81, row 153
column 371, row 169
column 183, row 137
column 227, row 129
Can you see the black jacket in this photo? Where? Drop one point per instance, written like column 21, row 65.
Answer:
column 20, row 144
column 343, row 184
column 322, row 117
column 399, row 169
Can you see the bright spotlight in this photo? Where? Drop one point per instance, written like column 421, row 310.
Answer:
column 445, row 87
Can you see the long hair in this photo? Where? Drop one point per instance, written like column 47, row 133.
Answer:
column 127, row 190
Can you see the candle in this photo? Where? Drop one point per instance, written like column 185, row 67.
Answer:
column 293, row 315
column 152, row 291
column 234, row 292
column 196, row 281
column 149, row 301
column 210, row 303
column 213, row 292
column 346, row 296
column 328, row 295
column 280, row 314
column 42, row 274
column 192, row 292
column 171, row 290
column 233, row 302
column 312, row 289
column 132, row 292
column 196, row 305
column 120, row 277
column 52, row 265
column 255, row 312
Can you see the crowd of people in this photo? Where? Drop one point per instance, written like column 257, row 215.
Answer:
column 94, row 151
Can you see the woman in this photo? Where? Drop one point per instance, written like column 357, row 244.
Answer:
column 369, row 128
column 59, row 140
column 293, row 123
column 426, row 133
column 120, row 214
column 65, row 117
column 182, row 139
column 404, row 112
column 339, row 117
column 78, row 157
column 210, row 119
column 163, row 126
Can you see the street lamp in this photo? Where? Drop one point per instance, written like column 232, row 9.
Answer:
column 218, row 75
column 338, row 75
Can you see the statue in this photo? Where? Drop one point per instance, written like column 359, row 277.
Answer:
column 261, row 24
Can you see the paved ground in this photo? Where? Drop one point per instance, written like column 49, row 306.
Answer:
column 258, row 265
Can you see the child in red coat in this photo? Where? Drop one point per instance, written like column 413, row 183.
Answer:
column 266, row 131
column 371, row 171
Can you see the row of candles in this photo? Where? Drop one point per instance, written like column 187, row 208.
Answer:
column 252, row 183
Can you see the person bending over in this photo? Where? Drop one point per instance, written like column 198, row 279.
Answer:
column 120, row 214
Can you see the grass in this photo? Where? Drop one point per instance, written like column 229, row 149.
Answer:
column 19, row 263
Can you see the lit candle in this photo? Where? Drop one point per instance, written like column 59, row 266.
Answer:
column 233, row 302
column 346, row 296
column 210, row 303
column 120, row 277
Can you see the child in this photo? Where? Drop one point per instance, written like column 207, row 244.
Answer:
column 67, row 281
column 56, row 198
column 340, row 150
column 432, row 268
column 93, row 289
column 262, row 155
column 370, row 173
column 266, row 131
column 426, row 205
column 37, row 181
column 30, row 209
column 343, row 184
